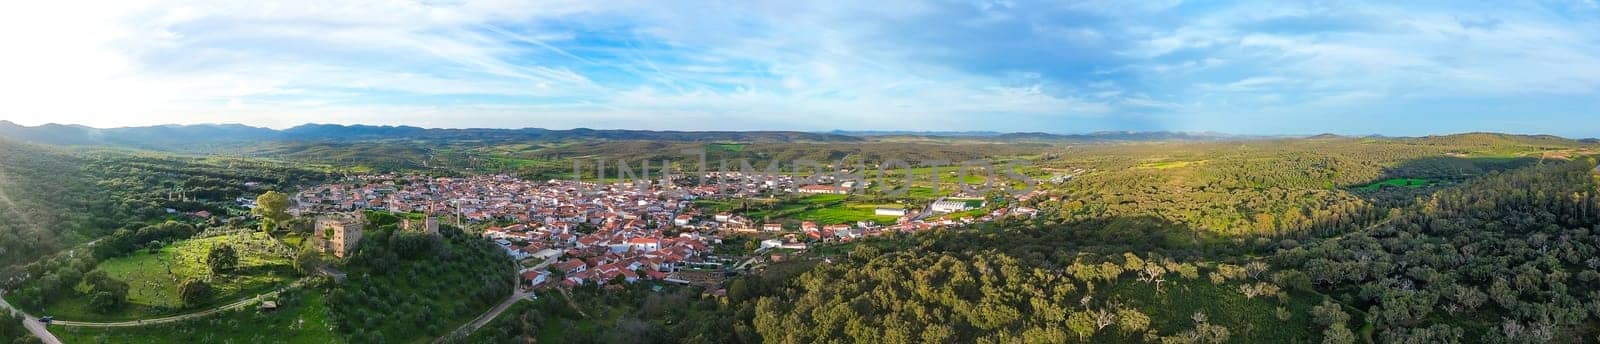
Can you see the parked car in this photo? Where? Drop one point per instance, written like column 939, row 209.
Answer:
column 47, row 319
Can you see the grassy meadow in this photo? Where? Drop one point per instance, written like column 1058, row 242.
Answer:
column 302, row 317
column 824, row 209
column 1400, row 182
column 153, row 278
column 1172, row 310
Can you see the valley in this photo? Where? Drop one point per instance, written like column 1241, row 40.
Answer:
column 1194, row 241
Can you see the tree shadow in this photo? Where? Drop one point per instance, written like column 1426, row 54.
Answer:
column 1403, row 184
column 1061, row 243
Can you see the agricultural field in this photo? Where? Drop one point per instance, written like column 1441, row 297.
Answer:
column 950, row 179
column 1171, row 310
column 645, row 310
column 153, row 278
column 726, row 147
column 1166, row 164
column 822, row 209
column 846, row 212
column 523, row 320
column 1401, row 183
column 301, row 317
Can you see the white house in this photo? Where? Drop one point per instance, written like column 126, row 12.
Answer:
column 823, row 189
column 645, row 244
column 515, row 251
column 770, row 243
column 949, row 206
column 896, row 212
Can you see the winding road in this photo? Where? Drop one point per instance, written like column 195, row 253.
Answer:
column 32, row 323
column 176, row 318
column 42, row 332
column 483, row 319
column 39, row 329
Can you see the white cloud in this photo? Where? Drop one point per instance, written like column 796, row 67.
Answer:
column 278, row 64
column 768, row 65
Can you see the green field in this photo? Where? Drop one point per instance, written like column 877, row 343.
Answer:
column 726, row 147
column 153, row 279
column 516, row 163
column 844, row 212
column 1249, row 320
column 1399, row 182
column 950, row 179
column 1162, row 165
column 824, row 209
column 302, row 317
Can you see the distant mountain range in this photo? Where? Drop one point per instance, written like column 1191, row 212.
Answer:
column 179, row 137
column 1039, row 136
column 171, row 136
column 1131, row 136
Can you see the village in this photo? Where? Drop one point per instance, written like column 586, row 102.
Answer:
column 572, row 233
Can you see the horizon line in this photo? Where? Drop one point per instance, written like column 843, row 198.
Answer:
column 835, row 131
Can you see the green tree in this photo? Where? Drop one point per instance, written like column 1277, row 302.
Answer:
column 307, row 262
column 221, row 259
column 1404, row 307
column 864, row 252
column 105, row 301
column 105, row 294
column 1338, row 334
column 194, row 292
column 1081, row 323
column 1132, row 321
column 272, row 207
column 1329, row 313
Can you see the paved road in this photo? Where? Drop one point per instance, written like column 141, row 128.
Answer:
column 540, row 266
column 31, row 323
column 142, row 322
column 483, row 319
column 572, row 303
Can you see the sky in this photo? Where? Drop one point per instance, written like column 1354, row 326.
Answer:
column 1258, row 67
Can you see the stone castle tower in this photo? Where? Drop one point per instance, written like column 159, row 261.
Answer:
column 428, row 225
column 337, row 235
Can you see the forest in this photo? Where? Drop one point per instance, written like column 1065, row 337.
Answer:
column 1277, row 188
column 12, row 332
column 52, row 198
column 1461, row 238
column 1496, row 248
column 406, row 285
column 1510, row 257
column 1503, row 257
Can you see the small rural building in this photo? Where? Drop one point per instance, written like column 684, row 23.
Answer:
column 824, row 189
column 885, row 211
column 950, row 206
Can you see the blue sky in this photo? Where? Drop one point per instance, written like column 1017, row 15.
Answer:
column 1395, row 68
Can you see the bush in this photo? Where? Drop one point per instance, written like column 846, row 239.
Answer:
column 222, row 258
column 106, row 302
column 194, row 292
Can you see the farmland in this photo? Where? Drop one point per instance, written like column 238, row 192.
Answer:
column 302, row 317
column 1401, row 183
column 823, row 209
column 153, row 278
